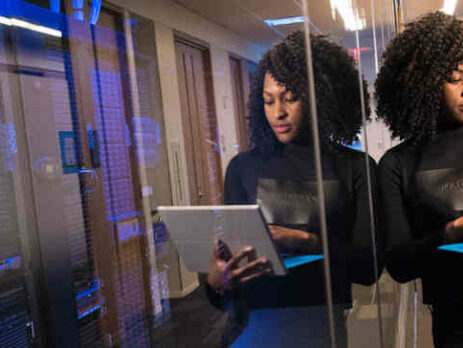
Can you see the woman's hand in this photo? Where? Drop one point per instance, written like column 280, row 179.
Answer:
column 225, row 271
column 290, row 240
column 454, row 231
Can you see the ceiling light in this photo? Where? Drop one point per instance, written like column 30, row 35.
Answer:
column 30, row 26
column 449, row 7
column 5, row 21
column 284, row 21
column 350, row 17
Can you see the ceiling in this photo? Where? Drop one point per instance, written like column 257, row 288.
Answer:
column 246, row 17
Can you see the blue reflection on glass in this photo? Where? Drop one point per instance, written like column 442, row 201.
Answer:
column 356, row 145
column 127, row 215
column 284, row 21
column 55, row 6
column 78, row 6
column 90, row 291
column 95, row 11
column 10, row 263
column 90, row 311
column 457, row 248
column 9, row 145
column 294, row 261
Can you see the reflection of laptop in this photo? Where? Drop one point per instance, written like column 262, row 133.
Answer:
column 194, row 230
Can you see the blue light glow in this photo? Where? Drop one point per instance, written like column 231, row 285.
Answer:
column 95, row 11
column 55, row 6
column 90, row 311
column 10, row 263
column 457, row 248
column 32, row 17
column 294, row 261
column 130, row 214
column 284, row 21
column 88, row 292
column 356, row 145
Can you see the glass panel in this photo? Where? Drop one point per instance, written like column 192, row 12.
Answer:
column 420, row 193
column 362, row 29
column 17, row 297
column 88, row 201
column 264, row 156
column 118, row 110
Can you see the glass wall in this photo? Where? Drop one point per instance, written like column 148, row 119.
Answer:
column 205, row 173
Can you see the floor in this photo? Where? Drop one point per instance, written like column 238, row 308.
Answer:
column 405, row 322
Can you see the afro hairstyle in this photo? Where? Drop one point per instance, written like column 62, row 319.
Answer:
column 338, row 95
column 416, row 63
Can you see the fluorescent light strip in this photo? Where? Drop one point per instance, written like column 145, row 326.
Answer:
column 449, row 7
column 35, row 27
column 351, row 21
column 284, row 21
column 26, row 25
column 5, row 21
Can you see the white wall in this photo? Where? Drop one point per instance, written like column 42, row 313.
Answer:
column 224, row 105
column 172, row 113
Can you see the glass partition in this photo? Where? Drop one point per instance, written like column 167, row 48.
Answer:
column 205, row 173
column 420, row 238
column 362, row 29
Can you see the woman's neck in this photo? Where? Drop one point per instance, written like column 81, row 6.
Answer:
column 447, row 123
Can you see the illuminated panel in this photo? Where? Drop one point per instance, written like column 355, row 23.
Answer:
column 284, row 21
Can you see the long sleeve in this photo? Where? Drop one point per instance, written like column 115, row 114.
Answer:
column 234, row 192
column 360, row 253
column 357, row 254
column 407, row 256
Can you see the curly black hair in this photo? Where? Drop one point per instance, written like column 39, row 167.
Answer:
column 415, row 65
column 336, row 87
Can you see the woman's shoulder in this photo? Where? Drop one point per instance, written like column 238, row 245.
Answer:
column 399, row 155
column 355, row 157
column 245, row 159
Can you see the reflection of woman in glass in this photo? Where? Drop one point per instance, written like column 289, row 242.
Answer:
column 279, row 173
column 419, row 91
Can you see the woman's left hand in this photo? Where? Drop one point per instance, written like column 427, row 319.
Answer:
column 290, row 240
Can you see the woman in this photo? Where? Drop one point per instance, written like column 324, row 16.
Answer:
column 279, row 173
column 419, row 93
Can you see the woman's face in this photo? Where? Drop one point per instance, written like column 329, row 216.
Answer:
column 453, row 95
column 283, row 110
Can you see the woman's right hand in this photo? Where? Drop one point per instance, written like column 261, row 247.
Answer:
column 225, row 271
column 454, row 231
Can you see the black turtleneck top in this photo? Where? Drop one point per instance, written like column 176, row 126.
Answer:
column 421, row 189
column 285, row 186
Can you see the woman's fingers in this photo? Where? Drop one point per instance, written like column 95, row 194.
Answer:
column 221, row 251
column 459, row 223
column 257, row 267
column 252, row 256
column 224, row 251
column 255, row 276
column 246, row 252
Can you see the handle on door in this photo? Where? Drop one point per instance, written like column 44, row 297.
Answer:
column 94, row 147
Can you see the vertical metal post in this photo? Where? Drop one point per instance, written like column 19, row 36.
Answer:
column 318, row 167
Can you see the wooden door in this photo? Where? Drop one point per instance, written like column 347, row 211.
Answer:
column 239, row 104
column 241, row 71
column 115, row 221
column 199, row 124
